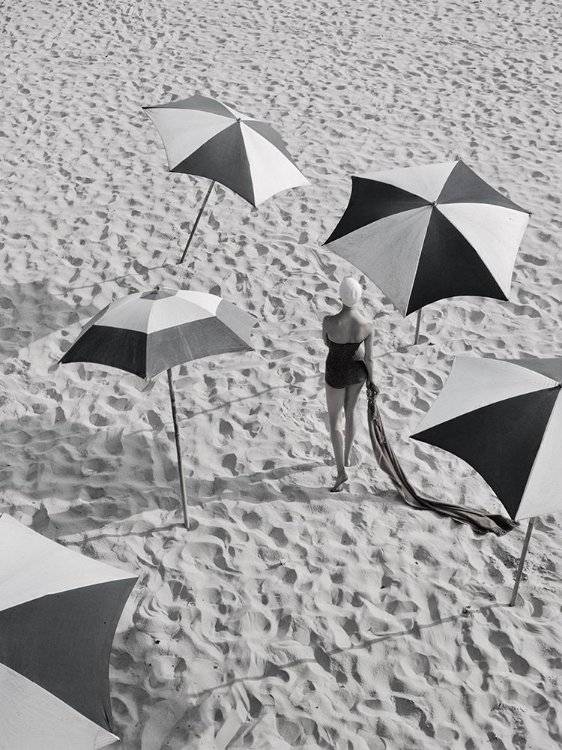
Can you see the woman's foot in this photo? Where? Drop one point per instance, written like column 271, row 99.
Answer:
column 341, row 479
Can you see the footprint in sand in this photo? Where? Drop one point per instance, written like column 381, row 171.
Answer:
column 226, row 430
column 516, row 662
column 278, row 536
column 408, row 709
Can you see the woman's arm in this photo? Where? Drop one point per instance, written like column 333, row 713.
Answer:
column 369, row 355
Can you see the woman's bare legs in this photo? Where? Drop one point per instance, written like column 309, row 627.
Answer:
column 350, row 402
column 335, row 399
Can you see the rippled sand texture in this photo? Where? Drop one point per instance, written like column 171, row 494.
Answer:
column 287, row 617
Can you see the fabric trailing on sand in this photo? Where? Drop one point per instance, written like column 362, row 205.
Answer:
column 386, row 459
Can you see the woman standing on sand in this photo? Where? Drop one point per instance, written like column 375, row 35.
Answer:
column 346, row 371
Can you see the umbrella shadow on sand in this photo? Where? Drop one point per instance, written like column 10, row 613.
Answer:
column 29, row 312
column 184, row 714
column 321, row 662
column 107, row 475
column 323, row 657
column 92, row 513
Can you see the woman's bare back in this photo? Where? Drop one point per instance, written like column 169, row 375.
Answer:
column 347, row 327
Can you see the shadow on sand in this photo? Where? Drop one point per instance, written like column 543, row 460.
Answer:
column 29, row 312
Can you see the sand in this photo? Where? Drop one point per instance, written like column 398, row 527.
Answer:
column 286, row 617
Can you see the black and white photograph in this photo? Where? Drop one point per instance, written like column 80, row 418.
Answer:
column 281, row 375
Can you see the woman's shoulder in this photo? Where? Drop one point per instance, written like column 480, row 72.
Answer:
column 362, row 320
column 367, row 326
column 329, row 319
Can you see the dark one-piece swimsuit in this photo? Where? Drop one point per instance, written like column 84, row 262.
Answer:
column 344, row 365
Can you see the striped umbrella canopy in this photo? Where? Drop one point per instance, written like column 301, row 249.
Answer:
column 58, row 614
column 426, row 233
column 205, row 137
column 148, row 332
column 504, row 418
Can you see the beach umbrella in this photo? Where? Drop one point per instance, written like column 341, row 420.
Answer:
column 58, row 614
column 426, row 233
column 504, row 418
column 148, row 332
column 205, row 137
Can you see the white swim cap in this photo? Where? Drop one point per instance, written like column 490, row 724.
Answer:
column 350, row 292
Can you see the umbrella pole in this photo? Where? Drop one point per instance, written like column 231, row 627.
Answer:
column 522, row 561
column 418, row 322
column 178, row 447
column 194, row 227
